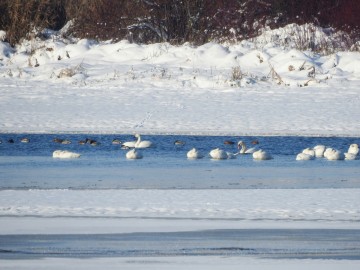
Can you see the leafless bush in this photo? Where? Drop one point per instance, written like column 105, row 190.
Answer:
column 236, row 74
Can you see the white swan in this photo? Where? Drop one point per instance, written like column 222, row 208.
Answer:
column 319, row 150
column 304, row 156
column 309, row 151
column 261, row 155
column 127, row 145
column 218, row 154
column 231, row 155
column 243, row 149
column 142, row 144
column 328, row 151
column 334, row 154
column 134, row 154
column 194, row 154
column 353, row 149
column 65, row 154
column 350, row 156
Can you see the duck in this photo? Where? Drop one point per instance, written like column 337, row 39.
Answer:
column 25, row 140
column 65, row 142
column 142, row 144
column 319, row 150
column 82, row 142
column 93, row 142
column 134, row 154
column 116, row 141
column 194, row 154
column 243, row 149
column 65, row 154
column 217, row 153
column 11, row 141
column 57, row 140
column 179, row 142
column 334, row 154
column 261, row 155
column 304, row 156
column 227, row 142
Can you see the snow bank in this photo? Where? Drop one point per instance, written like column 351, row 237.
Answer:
column 62, row 85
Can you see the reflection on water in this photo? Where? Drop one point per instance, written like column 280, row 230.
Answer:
column 30, row 165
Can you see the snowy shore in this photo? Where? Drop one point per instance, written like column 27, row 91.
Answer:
column 257, row 87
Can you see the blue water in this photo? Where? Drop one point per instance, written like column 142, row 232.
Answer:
column 165, row 166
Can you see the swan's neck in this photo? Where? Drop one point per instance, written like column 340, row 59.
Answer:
column 138, row 140
column 243, row 148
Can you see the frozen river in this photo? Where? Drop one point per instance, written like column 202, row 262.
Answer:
column 102, row 206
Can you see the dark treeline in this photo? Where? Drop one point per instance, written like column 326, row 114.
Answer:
column 174, row 21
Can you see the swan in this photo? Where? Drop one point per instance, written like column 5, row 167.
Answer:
column 194, row 154
column 130, row 144
column 218, row 154
column 65, row 154
column 261, row 155
column 334, row 154
column 319, row 150
column 142, row 144
column 351, row 156
column 309, row 151
column 353, row 149
column 134, row 154
column 138, row 143
column 231, row 155
column 243, row 149
column 304, row 156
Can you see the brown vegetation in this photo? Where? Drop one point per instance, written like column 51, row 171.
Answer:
column 174, row 21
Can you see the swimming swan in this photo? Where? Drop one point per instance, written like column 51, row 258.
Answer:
column 243, row 149
column 218, row 154
column 261, row 155
column 65, row 154
column 352, row 153
column 319, row 150
column 304, row 156
column 134, row 154
column 309, row 151
column 334, row 154
column 127, row 145
column 350, row 156
column 142, row 144
column 194, row 154
column 353, row 149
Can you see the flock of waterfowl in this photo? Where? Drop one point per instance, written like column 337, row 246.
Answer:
column 319, row 151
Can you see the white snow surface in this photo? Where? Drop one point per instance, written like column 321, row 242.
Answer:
column 306, row 205
column 256, row 87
